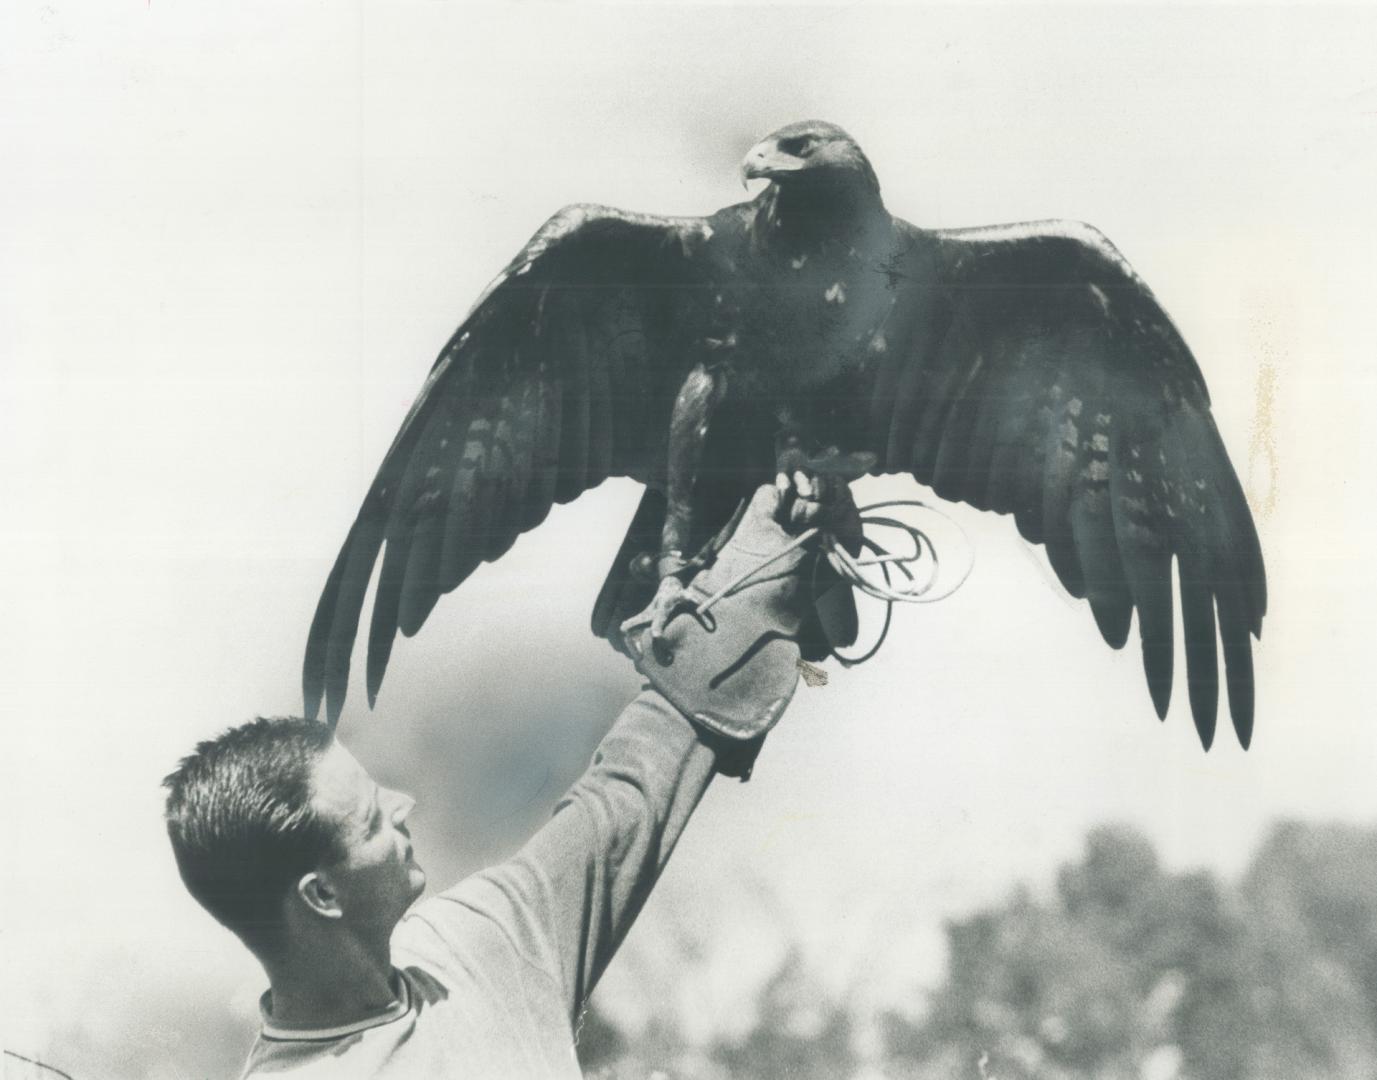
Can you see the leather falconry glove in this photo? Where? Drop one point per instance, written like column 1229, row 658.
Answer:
column 734, row 668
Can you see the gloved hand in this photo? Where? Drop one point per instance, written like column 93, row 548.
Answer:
column 734, row 669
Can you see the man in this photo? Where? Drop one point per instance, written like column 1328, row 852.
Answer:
column 284, row 837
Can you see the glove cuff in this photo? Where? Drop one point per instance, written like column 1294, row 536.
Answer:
column 731, row 671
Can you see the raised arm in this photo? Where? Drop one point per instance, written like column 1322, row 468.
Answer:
column 573, row 891
column 567, row 899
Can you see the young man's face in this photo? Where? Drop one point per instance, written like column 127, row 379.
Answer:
column 378, row 877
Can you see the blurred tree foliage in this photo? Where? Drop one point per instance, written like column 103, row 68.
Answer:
column 1125, row 972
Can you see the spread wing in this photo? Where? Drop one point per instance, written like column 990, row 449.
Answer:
column 1028, row 370
column 555, row 381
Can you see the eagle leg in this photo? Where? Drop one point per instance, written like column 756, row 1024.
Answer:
column 702, row 391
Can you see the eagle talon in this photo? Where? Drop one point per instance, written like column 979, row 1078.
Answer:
column 669, row 600
column 816, row 491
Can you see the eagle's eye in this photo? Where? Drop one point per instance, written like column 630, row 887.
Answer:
column 798, row 145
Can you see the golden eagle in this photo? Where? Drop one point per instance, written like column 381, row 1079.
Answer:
column 1024, row 369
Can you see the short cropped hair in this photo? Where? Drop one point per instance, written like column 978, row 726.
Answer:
column 242, row 826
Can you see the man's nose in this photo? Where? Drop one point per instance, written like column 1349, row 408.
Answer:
column 402, row 805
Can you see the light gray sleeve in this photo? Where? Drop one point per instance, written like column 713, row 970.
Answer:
column 567, row 899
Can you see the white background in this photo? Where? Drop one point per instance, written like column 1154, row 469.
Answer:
column 232, row 238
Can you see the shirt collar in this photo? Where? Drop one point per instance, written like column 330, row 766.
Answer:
column 400, row 1006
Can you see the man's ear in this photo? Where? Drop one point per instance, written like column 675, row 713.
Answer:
column 319, row 895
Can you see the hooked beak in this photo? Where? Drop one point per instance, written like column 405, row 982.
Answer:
column 766, row 161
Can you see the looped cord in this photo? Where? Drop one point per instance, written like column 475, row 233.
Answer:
column 851, row 568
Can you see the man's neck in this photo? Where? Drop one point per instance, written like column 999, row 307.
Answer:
column 330, row 984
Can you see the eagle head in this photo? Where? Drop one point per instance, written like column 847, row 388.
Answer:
column 809, row 152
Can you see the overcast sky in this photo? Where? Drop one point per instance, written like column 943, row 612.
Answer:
column 232, row 239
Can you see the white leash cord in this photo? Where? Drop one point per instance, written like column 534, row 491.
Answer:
column 851, row 567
